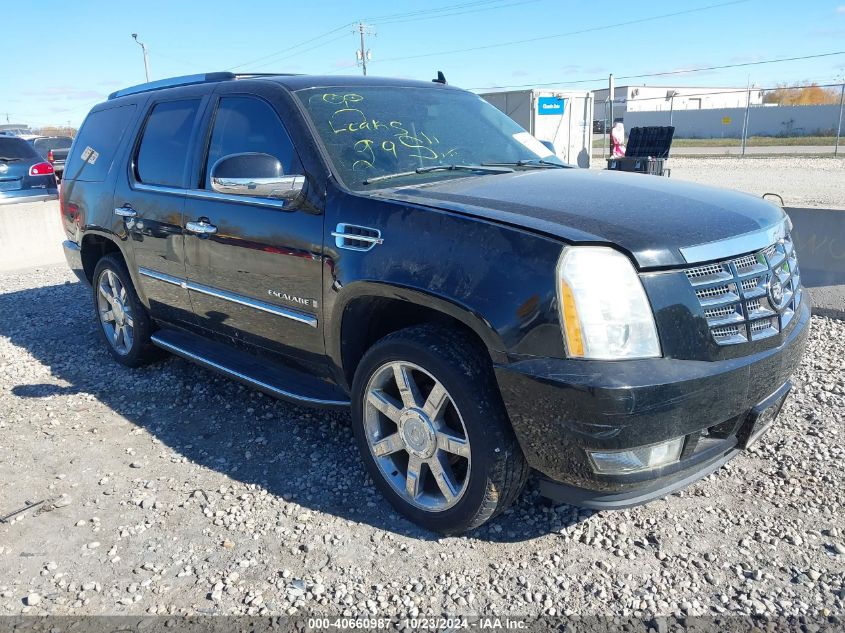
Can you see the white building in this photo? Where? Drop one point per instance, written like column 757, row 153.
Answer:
column 655, row 98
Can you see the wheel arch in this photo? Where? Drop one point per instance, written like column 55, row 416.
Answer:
column 94, row 246
column 386, row 308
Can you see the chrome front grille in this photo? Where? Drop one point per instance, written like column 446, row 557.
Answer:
column 737, row 296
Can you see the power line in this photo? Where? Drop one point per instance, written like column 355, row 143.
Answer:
column 417, row 18
column 593, row 29
column 304, row 50
column 290, row 48
column 667, row 73
column 450, row 7
column 446, row 11
column 392, row 17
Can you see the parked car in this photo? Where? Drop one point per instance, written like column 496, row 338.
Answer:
column 54, row 149
column 405, row 249
column 24, row 174
column 16, row 130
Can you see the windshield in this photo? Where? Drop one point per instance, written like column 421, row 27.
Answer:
column 379, row 131
column 12, row 148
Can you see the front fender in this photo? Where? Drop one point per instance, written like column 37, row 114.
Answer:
column 374, row 288
column 496, row 279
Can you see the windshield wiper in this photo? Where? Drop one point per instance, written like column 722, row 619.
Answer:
column 10, row 160
column 485, row 169
column 540, row 163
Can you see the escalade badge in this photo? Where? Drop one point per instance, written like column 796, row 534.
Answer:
column 284, row 296
column 776, row 293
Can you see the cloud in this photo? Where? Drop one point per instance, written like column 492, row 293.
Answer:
column 745, row 59
column 65, row 92
column 520, row 73
column 840, row 8
column 833, row 33
column 343, row 62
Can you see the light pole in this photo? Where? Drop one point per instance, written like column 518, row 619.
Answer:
column 146, row 61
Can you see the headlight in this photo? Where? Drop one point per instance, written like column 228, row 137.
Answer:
column 604, row 310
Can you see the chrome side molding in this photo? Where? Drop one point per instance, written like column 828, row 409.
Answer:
column 286, row 313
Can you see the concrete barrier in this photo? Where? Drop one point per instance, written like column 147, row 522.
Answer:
column 30, row 235
column 819, row 236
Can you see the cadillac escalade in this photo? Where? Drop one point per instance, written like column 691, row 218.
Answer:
column 404, row 250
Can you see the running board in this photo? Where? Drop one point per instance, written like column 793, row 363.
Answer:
column 273, row 379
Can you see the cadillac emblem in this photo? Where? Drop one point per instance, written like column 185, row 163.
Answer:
column 776, row 293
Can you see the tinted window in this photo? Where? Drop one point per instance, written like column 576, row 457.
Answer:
column 95, row 146
column 245, row 124
column 56, row 142
column 12, row 148
column 163, row 152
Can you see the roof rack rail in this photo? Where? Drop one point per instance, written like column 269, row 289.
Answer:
column 188, row 80
column 185, row 80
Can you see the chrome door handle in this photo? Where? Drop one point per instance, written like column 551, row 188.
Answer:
column 201, row 228
column 125, row 211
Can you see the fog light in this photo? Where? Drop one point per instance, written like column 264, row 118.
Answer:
column 637, row 459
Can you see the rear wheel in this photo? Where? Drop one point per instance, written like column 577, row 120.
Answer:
column 433, row 431
column 124, row 323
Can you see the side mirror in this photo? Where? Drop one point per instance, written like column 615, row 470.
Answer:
column 254, row 174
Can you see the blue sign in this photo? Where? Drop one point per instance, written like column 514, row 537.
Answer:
column 550, row 105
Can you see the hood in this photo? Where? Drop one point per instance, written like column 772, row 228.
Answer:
column 651, row 218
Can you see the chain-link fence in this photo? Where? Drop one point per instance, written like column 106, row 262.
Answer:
column 806, row 119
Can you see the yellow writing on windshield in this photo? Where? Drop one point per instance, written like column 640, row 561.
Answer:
column 367, row 134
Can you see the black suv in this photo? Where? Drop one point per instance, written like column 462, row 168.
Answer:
column 405, row 249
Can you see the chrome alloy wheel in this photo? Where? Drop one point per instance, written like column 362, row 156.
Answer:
column 417, row 436
column 114, row 312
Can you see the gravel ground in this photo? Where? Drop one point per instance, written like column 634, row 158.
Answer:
column 172, row 490
column 801, row 181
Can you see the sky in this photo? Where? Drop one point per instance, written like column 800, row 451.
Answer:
column 53, row 76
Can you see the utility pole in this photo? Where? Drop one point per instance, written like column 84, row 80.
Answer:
column 745, row 118
column 146, row 60
column 838, row 124
column 608, row 110
column 362, row 54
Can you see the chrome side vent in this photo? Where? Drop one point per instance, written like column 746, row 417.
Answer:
column 356, row 238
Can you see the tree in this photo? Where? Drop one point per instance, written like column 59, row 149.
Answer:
column 56, row 130
column 805, row 94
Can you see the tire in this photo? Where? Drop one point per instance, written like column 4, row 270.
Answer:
column 418, row 455
column 130, row 316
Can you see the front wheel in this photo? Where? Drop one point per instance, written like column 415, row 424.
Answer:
column 433, row 431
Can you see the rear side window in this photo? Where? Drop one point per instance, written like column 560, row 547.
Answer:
column 246, row 124
column 14, row 149
column 95, row 146
column 163, row 151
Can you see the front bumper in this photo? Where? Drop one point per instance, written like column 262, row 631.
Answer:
column 560, row 409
